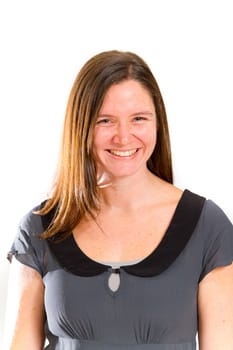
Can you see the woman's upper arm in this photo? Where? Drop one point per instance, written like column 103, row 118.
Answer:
column 215, row 303
column 24, row 327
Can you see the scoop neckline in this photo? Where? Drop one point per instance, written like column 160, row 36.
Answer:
column 183, row 223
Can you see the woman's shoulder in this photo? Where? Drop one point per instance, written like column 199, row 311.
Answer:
column 31, row 222
column 27, row 247
column 215, row 216
column 211, row 211
column 212, row 216
column 215, row 232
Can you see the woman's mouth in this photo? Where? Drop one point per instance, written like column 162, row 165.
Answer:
column 127, row 153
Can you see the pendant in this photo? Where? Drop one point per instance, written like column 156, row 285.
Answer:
column 114, row 280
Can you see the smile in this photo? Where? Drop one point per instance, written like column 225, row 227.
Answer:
column 123, row 153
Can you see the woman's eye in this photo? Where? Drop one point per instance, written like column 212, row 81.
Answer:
column 139, row 118
column 103, row 121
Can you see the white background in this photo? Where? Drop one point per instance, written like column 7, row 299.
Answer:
column 188, row 45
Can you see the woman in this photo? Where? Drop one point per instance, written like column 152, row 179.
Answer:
column 118, row 257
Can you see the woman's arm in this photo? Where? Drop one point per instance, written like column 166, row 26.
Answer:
column 25, row 309
column 215, row 302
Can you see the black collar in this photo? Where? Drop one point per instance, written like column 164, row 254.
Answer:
column 182, row 225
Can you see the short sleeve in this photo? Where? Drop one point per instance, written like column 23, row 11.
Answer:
column 27, row 247
column 218, row 239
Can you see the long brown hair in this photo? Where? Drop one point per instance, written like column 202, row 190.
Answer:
column 75, row 190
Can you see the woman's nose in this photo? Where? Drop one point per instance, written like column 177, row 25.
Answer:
column 122, row 135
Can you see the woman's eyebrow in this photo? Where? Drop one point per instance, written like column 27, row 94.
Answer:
column 131, row 115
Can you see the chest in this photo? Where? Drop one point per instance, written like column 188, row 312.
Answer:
column 122, row 237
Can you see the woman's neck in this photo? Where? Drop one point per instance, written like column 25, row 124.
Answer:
column 130, row 193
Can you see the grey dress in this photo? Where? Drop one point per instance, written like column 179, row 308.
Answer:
column 155, row 306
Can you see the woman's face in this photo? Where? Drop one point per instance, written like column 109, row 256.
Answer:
column 125, row 130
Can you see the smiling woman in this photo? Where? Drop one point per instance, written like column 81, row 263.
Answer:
column 95, row 93
column 118, row 257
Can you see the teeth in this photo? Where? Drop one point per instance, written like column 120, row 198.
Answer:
column 123, row 153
